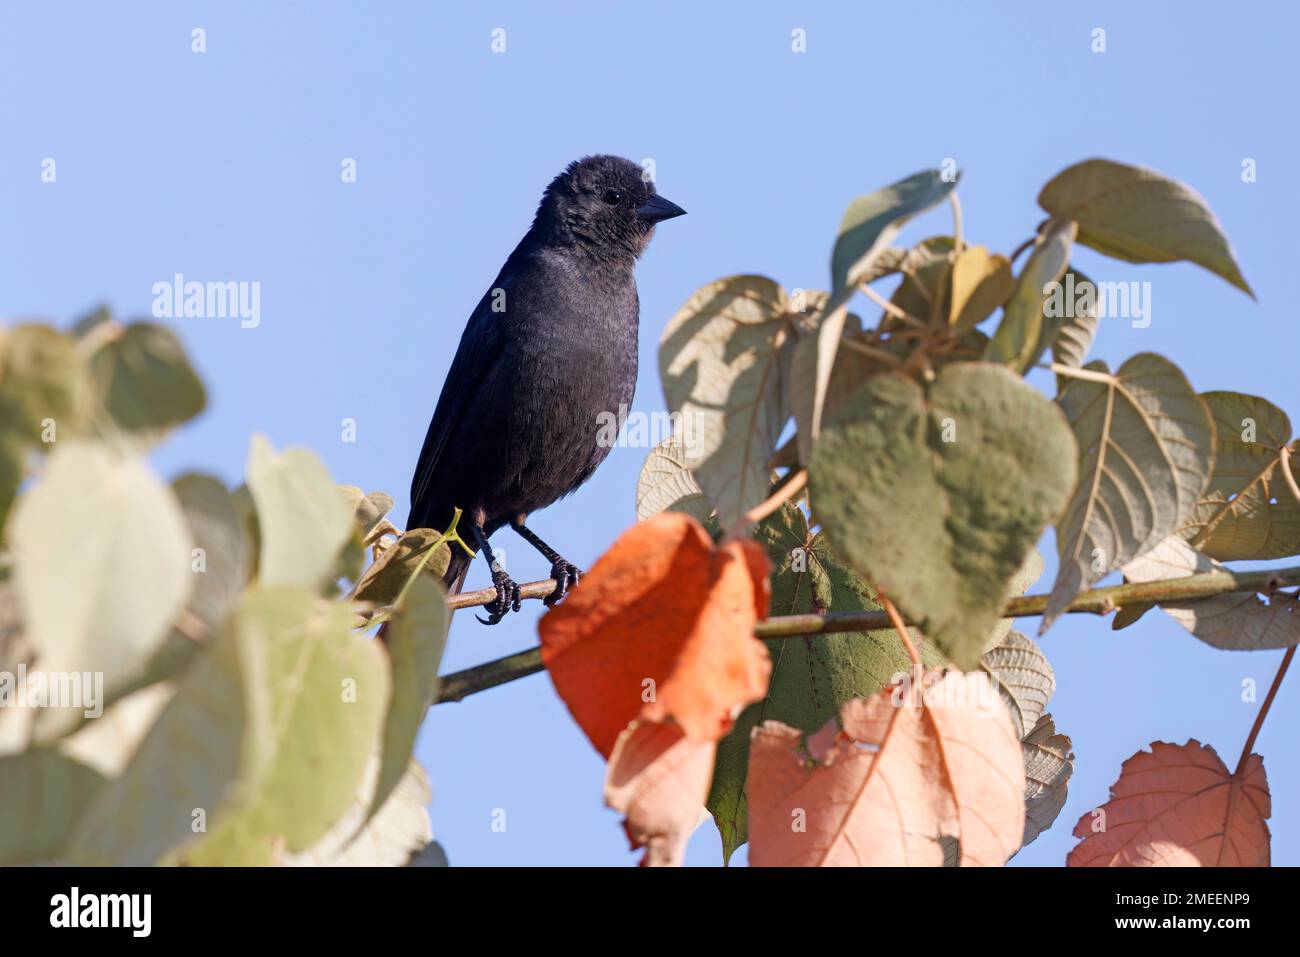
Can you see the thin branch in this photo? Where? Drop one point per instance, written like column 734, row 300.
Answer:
column 957, row 241
column 1023, row 246
column 1097, row 601
column 1286, row 472
column 789, row 486
column 1263, row 711
column 893, row 310
column 897, row 621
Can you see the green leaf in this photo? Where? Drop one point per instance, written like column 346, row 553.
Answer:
column 367, row 510
column 812, row 676
column 303, row 521
column 42, row 382
column 1146, row 448
column 105, row 522
column 387, row 839
column 1239, row 621
column 1071, row 334
column 722, row 360
column 938, row 496
column 222, row 559
column 1021, row 337
column 415, row 639
column 667, row 485
column 926, row 269
column 1248, row 511
column 42, row 793
column 384, row 580
column 1139, row 216
column 144, row 380
column 872, row 221
column 268, row 737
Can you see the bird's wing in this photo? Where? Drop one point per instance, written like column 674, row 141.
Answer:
column 481, row 346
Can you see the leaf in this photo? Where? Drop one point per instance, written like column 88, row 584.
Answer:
column 384, row 580
column 268, row 736
column 1248, row 511
column 980, row 284
column 942, row 527
column 912, row 765
column 215, row 528
column 302, row 519
column 661, row 626
column 41, row 378
column 816, row 353
column 657, row 778
column 872, row 221
column 43, row 793
column 1021, row 673
column 1239, row 621
column 143, row 379
column 925, row 291
column 1072, row 334
column 415, row 640
column 432, row 855
column 1021, row 337
column 1177, row 806
column 1139, row 216
column 1146, row 449
column 367, row 510
column 1049, row 762
column 386, row 839
column 105, row 522
column 667, row 485
column 1030, row 571
column 812, row 676
column 722, row 361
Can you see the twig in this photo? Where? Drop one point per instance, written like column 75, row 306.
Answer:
column 1263, row 711
column 790, row 485
column 893, row 310
column 957, row 241
column 1286, row 472
column 897, row 621
column 1097, row 601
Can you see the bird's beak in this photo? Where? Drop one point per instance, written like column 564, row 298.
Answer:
column 656, row 209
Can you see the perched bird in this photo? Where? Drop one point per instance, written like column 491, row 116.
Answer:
column 550, row 346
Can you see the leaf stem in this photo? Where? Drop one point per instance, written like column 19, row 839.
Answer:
column 1286, row 472
column 897, row 620
column 1263, row 711
column 957, row 241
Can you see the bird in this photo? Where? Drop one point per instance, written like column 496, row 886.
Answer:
column 547, row 354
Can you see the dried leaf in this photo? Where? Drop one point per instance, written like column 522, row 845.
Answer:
column 1177, row 806
column 910, row 767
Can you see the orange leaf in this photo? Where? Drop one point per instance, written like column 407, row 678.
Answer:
column 1177, row 806
column 914, row 763
column 662, row 626
column 659, row 780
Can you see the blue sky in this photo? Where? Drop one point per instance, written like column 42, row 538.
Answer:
column 225, row 166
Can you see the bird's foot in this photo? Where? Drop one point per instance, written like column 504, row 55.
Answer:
column 507, row 599
column 566, row 575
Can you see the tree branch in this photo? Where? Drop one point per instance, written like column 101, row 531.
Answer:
column 1098, row 601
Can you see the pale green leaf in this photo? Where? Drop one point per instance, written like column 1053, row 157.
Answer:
column 937, row 496
column 1020, row 337
column 722, row 362
column 303, row 521
column 667, row 485
column 1140, row 216
column 1146, row 449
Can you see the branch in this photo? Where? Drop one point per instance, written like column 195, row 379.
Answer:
column 1098, row 601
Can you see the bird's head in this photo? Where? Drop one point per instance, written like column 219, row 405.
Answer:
column 605, row 202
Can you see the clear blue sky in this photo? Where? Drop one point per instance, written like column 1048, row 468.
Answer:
column 226, row 166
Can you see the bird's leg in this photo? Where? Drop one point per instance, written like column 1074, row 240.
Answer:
column 565, row 573
column 507, row 588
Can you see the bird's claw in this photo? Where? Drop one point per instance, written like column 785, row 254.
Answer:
column 508, row 598
column 566, row 575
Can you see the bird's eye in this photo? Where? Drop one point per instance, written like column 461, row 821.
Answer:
column 613, row 196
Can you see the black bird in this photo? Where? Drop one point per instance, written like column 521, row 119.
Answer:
column 551, row 346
